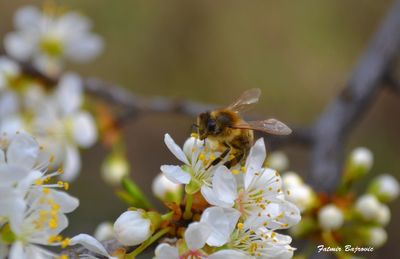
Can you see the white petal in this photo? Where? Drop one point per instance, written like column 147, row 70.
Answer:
column 19, row 46
column 67, row 202
column 175, row 174
column 22, row 151
column 228, row 253
column 72, row 164
column 224, row 184
column 90, row 243
column 69, row 93
column 165, row 251
column 222, row 221
column 17, row 251
column 85, row 48
column 175, row 149
column 84, row 129
column 27, row 17
column 224, row 189
column 11, row 174
column 197, row 234
column 254, row 161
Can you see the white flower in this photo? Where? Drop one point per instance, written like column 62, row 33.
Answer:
column 330, row 217
column 47, row 39
column 162, row 187
column 33, row 208
column 196, row 158
column 260, row 200
column 368, row 206
column 377, row 237
column 132, row 228
column 278, row 161
column 65, row 126
column 114, row 168
column 104, row 231
column 385, row 187
column 362, row 157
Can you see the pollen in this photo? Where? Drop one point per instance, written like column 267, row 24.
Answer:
column 240, row 226
column 53, row 223
column 65, row 242
column 235, row 171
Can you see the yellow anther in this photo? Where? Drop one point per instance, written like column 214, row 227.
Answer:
column 46, row 190
column 243, row 169
column 55, row 207
column 60, row 171
column 240, row 226
column 53, row 223
column 52, row 158
column 65, row 243
column 202, row 157
column 235, row 171
column 63, row 257
column 66, row 186
column 194, row 135
column 39, row 182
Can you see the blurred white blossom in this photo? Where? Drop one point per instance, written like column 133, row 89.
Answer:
column 48, row 38
column 330, row 217
column 385, row 187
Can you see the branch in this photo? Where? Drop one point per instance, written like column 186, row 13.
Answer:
column 334, row 124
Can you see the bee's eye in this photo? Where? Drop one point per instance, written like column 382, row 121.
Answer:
column 211, row 125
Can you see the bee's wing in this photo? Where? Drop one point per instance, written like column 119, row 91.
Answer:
column 246, row 100
column 271, row 126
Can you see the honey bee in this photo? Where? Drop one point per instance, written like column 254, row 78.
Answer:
column 233, row 135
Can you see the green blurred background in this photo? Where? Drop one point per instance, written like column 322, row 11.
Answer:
column 300, row 53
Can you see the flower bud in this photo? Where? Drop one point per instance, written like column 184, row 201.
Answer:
column 278, row 161
column 114, row 169
column 383, row 215
column 385, row 187
column 376, row 237
column 166, row 190
column 330, row 217
column 360, row 162
column 133, row 227
column 290, row 179
column 302, row 195
column 104, row 231
column 368, row 206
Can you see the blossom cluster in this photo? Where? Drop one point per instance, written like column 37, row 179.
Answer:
column 342, row 218
column 234, row 212
column 51, row 111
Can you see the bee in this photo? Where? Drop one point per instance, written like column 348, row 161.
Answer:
column 232, row 134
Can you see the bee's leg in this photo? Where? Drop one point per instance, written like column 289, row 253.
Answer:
column 222, row 156
column 235, row 160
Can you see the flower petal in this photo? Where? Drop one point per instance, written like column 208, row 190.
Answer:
column 197, row 234
column 165, row 251
column 228, row 253
column 22, row 151
column 90, row 243
column 69, row 93
column 72, row 164
column 175, row 174
column 175, row 149
column 222, row 222
column 84, row 129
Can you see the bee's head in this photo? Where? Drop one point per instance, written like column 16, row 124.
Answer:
column 207, row 125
